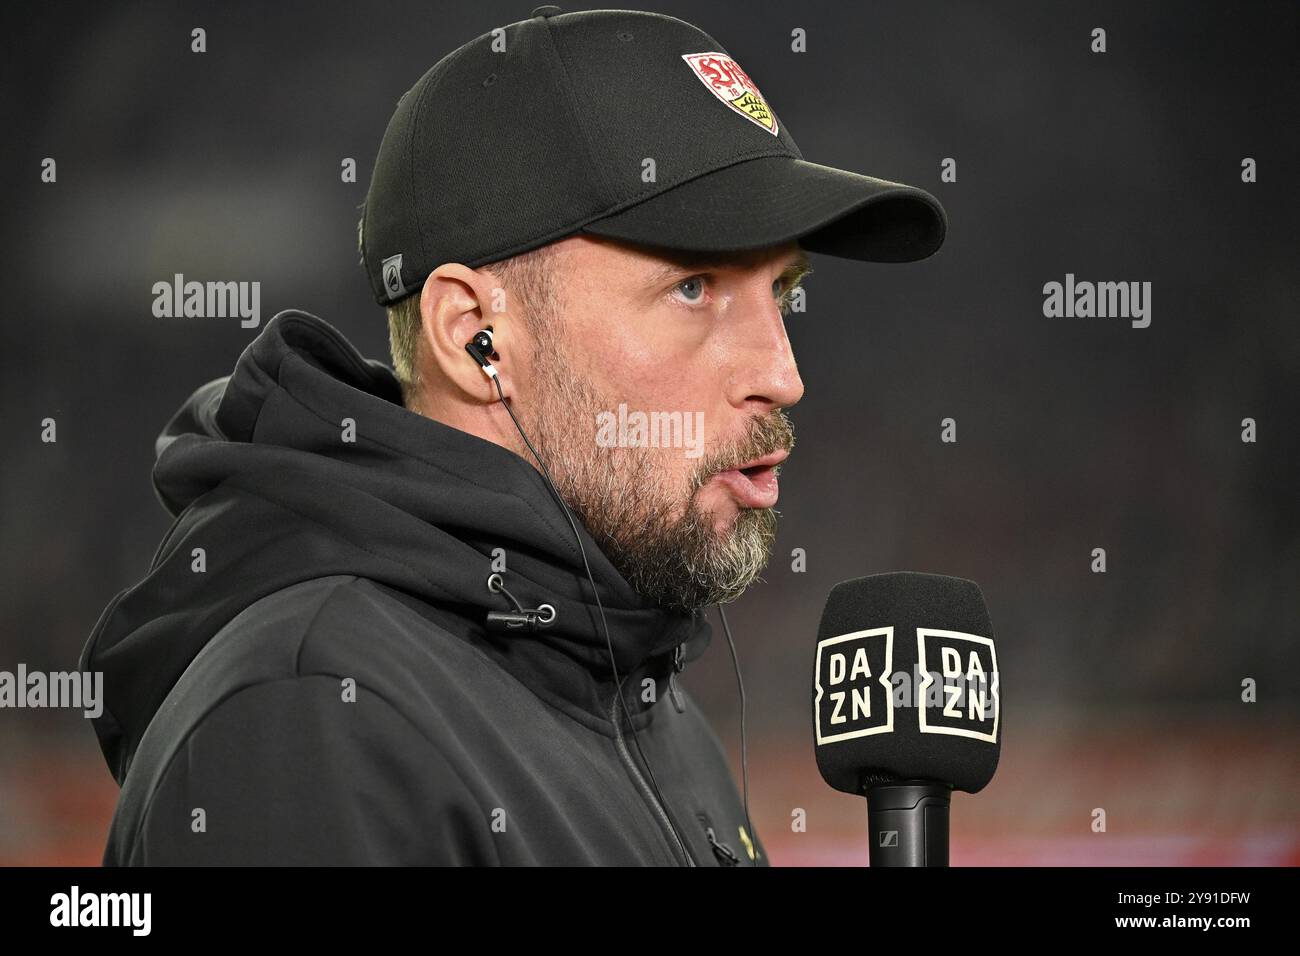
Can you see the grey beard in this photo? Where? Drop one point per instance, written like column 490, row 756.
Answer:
column 688, row 565
column 682, row 564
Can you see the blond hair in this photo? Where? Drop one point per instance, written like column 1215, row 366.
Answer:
column 526, row 278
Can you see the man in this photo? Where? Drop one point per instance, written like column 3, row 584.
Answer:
column 372, row 634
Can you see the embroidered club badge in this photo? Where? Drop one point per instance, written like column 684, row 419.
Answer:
column 729, row 83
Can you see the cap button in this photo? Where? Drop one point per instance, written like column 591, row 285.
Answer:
column 546, row 11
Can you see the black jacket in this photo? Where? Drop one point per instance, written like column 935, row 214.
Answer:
column 305, row 674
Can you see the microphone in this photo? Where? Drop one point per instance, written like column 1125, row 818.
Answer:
column 906, row 705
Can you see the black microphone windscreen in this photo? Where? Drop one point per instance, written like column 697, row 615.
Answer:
column 906, row 683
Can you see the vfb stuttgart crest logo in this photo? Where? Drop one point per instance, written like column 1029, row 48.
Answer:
column 729, row 83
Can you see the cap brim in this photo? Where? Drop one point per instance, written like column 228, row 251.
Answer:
column 772, row 200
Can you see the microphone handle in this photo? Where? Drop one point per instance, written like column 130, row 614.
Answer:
column 908, row 822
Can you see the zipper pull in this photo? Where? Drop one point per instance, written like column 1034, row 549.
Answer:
column 726, row 856
column 679, row 702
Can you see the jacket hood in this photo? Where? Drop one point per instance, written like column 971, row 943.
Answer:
column 257, row 470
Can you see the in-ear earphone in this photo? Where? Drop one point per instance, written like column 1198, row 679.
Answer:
column 480, row 348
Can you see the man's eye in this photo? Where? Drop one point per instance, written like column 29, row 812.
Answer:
column 693, row 287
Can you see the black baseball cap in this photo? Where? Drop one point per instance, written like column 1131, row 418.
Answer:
column 618, row 123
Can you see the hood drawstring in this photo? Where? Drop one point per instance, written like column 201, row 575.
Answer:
column 521, row 617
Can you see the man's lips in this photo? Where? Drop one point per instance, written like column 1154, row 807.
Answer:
column 754, row 483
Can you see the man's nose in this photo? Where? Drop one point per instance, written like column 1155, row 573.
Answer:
column 765, row 371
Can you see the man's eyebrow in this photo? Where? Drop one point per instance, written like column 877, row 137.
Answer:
column 795, row 269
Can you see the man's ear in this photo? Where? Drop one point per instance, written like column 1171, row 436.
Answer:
column 454, row 302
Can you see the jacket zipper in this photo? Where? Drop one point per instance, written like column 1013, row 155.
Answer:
column 640, row 780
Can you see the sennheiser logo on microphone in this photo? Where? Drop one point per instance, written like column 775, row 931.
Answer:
column 965, row 667
column 853, row 688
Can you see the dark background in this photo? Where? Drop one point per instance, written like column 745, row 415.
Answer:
column 1124, row 687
